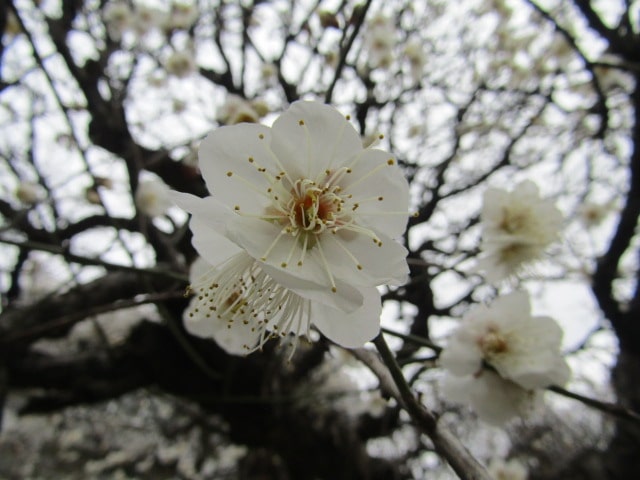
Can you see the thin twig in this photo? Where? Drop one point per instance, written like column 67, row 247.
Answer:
column 446, row 444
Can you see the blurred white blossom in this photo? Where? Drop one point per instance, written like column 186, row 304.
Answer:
column 152, row 196
column 30, row 193
column 522, row 349
column 183, row 15
column 180, row 63
column 511, row 469
column 493, row 398
column 238, row 110
column 517, row 227
column 380, row 39
column 118, row 17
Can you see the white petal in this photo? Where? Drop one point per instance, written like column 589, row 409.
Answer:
column 325, row 139
column 229, row 174
column 346, row 298
column 461, row 358
column 208, row 225
column 208, row 208
column 372, row 177
column 385, row 264
column 237, row 340
column 257, row 237
column 350, row 330
column 212, row 246
column 495, row 400
column 513, row 305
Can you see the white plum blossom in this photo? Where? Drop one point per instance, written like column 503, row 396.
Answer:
column 148, row 18
column 415, row 55
column 517, row 227
column 300, row 230
column 30, row 193
column 592, row 214
column 181, row 64
column 238, row 110
column 118, row 18
column 152, row 196
column 380, row 39
column 511, row 469
column 494, row 399
column 523, row 350
column 182, row 15
column 504, row 335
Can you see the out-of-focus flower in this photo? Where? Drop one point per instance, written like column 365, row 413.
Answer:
column 517, row 227
column 182, row 15
column 504, row 335
column 301, row 228
column 268, row 73
column 30, row 193
column 148, row 18
column 380, row 39
column 238, row 110
column 507, row 469
column 118, row 18
column 494, row 399
column 342, row 384
column 415, row 55
column 181, row 64
column 152, row 197
column 593, row 214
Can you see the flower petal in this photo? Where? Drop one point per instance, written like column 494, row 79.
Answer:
column 375, row 175
column 208, row 217
column 231, row 159
column 384, row 264
column 353, row 329
column 323, row 140
column 269, row 243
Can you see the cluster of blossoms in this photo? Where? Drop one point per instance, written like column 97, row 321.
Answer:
column 517, row 227
column 119, row 18
column 501, row 356
column 300, row 230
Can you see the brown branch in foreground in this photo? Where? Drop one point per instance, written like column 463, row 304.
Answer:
column 393, row 382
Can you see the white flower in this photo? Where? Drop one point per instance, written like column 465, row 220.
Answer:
column 518, row 226
column 147, row 18
column 301, row 228
column 493, row 398
column 183, row 15
column 380, row 39
column 507, row 470
column 152, row 196
column 237, row 110
column 181, row 64
column 118, row 18
column 521, row 348
column 414, row 53
column 593, row 214
column 30, row 193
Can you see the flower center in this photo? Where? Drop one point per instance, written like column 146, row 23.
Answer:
column 492, row 344
column 312, row 208
column 513, row 221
